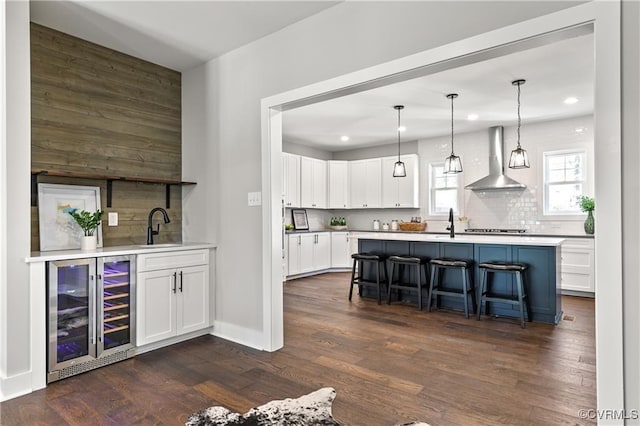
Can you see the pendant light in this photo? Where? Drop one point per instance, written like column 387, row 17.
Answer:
column 452, row 163
column 399, row 169
column 519, row 158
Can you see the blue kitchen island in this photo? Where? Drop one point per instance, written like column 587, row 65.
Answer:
column 541, row 254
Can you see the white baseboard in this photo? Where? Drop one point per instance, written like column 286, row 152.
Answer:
column 15, row 386
column 244, row 336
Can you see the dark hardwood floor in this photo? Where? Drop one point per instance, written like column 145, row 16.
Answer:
column 388, row 364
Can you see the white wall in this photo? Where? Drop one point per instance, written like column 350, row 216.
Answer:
column 342, row 39
column 631, row 200
column 14, row 285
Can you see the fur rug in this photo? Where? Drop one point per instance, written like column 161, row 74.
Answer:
column 311, row 409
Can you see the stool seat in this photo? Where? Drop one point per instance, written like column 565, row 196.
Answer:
column 503, row 266
column 456, row 263
column 368, row 256
column 408, row 259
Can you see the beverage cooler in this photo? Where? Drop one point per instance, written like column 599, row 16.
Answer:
column 91, row 308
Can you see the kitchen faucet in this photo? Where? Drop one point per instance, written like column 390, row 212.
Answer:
column 150, row 231
column 451, row 228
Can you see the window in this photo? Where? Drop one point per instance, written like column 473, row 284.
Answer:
column 564, row 180
column 443, row 190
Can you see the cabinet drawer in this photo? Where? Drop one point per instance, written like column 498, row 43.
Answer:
column 172, row 259
column 577, row 258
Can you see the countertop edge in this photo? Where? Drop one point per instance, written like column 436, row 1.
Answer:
column 38, row 256
column 462, row 239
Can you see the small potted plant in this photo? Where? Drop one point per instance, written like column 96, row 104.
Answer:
column 588, row 205
column 89, row 222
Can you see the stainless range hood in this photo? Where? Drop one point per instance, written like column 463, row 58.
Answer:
column 496, row 180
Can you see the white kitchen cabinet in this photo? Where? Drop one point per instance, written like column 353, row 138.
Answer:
column 172, row 295
column 309, row 252
column 365, row 183
column 291, row 179
column 340, row 250
column 577, row 266
column 338, row 192
column 400, row 192
column 313, row 183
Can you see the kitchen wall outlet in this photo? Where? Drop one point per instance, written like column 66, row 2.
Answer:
column 113, row 218
column 255, row 198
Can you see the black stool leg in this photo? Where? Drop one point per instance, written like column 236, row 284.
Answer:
column 465, row 292
column 419, row 286
column 483, row 278
column 353, row 277
column 527, row 304
column 390, row 283
column 520, row 298
column 431, row 284
column 472, row 291
column 378, row 281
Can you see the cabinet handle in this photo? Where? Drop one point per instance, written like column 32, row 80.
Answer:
column 175, row 280
column 299, row 240
column 180, row 281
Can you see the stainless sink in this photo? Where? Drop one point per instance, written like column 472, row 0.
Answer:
column 150, row 246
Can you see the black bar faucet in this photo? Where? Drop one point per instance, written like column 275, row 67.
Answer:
column 451, row 228
column 150, row 231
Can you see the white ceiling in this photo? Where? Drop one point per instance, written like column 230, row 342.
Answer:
column 184, row 34
column 553, row 73
column 175, row 34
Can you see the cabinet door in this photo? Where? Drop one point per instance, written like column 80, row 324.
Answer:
column 291, row 174
column 156, row 306
column 390, row 183
column 338, row 184
column 365, row 182
column 322, row 251
column 408, row 187
column 319, row 184
column 373, row 182
column 193, row 299
column 294, row 254
column 306, row 182
column 307, row 243
column 340, row 250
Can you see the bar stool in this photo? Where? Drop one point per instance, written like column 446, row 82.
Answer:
column 420, row 264
column 359, row 260
column 436, row 287
column 487, row 296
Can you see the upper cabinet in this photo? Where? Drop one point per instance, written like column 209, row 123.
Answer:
column 338, row 184
column 313, row 183
column 365, row 183
column 400, row 192
column 291, row 179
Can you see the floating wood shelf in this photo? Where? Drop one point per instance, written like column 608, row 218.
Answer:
column 109, row 178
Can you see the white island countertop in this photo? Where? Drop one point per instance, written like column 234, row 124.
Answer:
column 44, row 256
column 519, row 240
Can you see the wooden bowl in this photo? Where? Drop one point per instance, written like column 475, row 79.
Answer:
column 412, row 226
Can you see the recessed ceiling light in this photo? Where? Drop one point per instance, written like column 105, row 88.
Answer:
column 344, row 138
column 472, row 117
column 579, row 129
column 571, row 100
column 402, row 128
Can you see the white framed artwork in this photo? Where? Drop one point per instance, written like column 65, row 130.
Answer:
column 58, row 229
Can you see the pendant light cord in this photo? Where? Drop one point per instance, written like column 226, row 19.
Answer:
column 399, row 133
column 519, row 84
column 452, row 97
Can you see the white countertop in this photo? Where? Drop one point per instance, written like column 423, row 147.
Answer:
column 468, row 239
column 38, row 256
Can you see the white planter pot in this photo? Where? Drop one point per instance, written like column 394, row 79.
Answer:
column 89, row 243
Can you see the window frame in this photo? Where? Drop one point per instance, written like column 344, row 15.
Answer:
column 432, row 191
column 587, row 187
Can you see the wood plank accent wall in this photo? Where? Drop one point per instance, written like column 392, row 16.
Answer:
column 96, row 110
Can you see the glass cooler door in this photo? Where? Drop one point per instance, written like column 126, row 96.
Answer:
column 71, row 312
column 116, row 303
